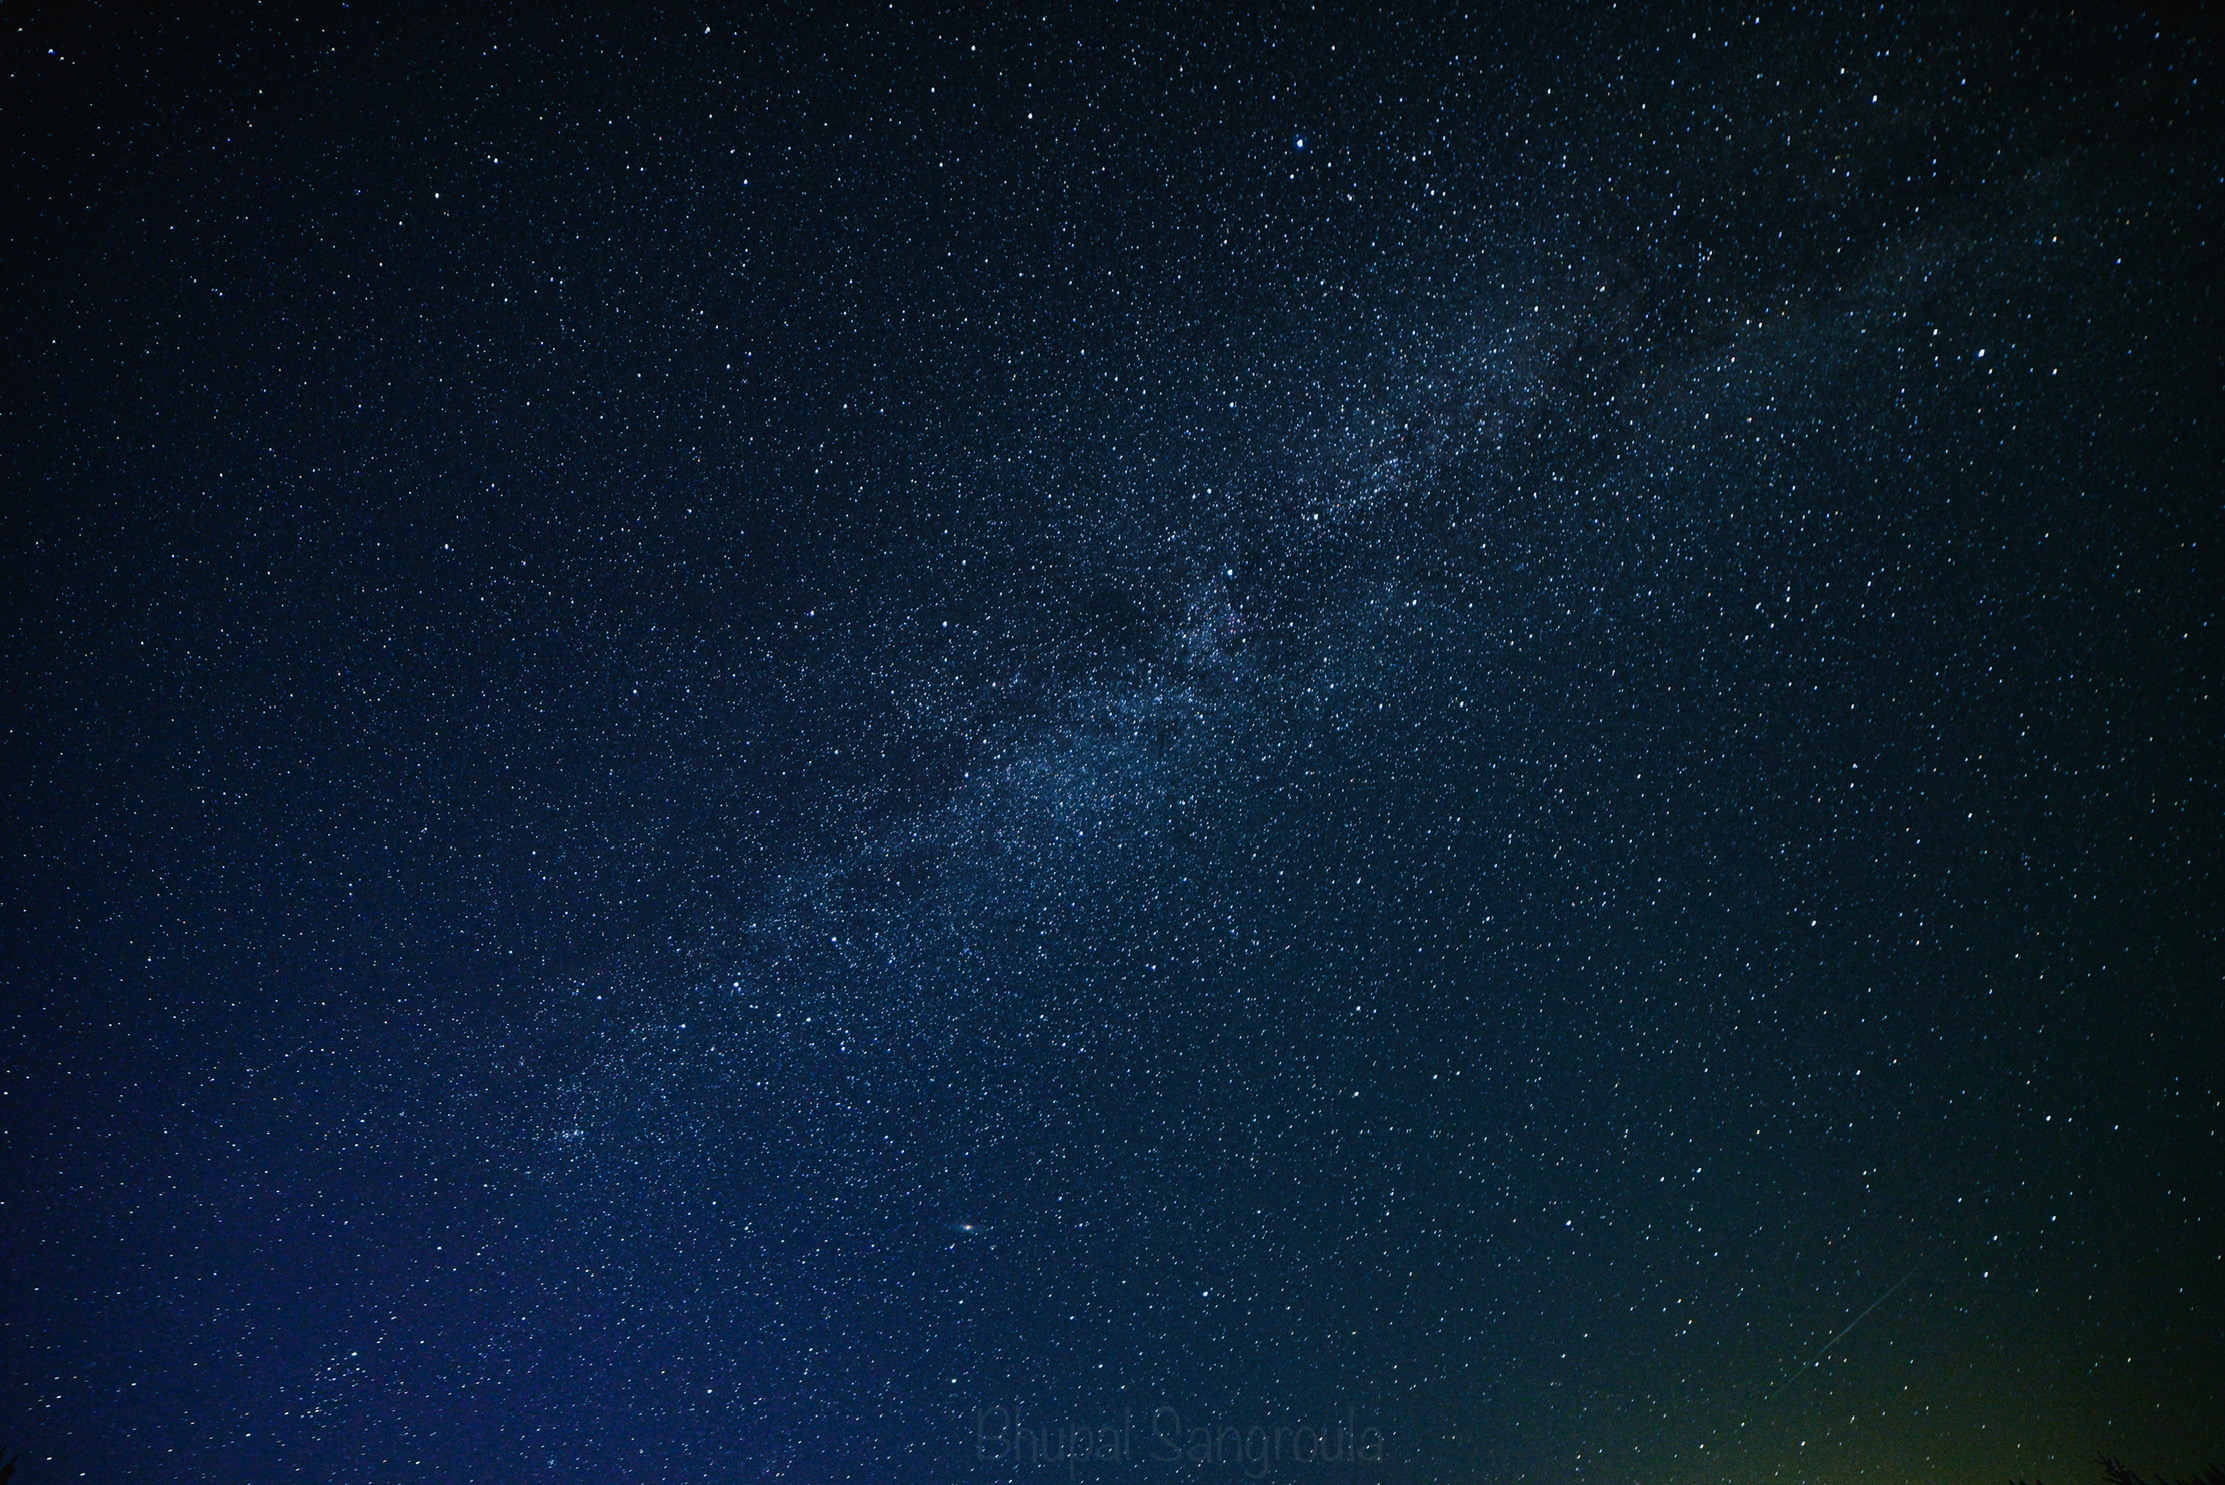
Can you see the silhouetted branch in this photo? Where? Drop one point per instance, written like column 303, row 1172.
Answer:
column 2115, row 1473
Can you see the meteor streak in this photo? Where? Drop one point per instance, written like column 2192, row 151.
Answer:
column 1842, row 1335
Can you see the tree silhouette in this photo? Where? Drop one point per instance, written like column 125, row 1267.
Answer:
column 2116, row 1474
column 2113, row 1472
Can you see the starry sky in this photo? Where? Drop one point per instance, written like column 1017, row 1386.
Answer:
column 808, row 744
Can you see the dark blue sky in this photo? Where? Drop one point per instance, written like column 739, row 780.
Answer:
column 735, row 735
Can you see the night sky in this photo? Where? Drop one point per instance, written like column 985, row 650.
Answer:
column 803, row 745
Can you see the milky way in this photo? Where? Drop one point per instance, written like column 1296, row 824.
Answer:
column 885, row 745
